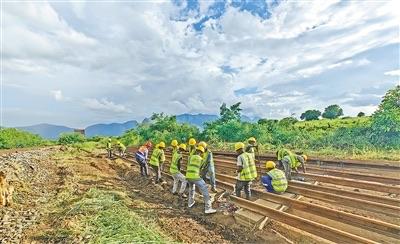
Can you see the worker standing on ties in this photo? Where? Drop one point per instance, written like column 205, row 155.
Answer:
column 275, row 180
column 291, row 161
column 142, row 157
column 109, row 148
column 121, row 149
column 194, row 179
column 207, row 167
column 174, row 146
column 252, row 146
column 156, row 160
column 175, row 170
column 246, row 171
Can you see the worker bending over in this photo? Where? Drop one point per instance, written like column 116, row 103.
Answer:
column 156, row 160
column 194, row 179
column 175, row 170
column 121, row 149
column 174, row 146
column 291, row 161
column 246, row 171
column 142, row 157
column 109, row 148
column 207, row 167
column 275, row 179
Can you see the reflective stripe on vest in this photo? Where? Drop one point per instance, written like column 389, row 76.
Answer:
column 156, row 157
column 193, row 168
column 279, row 181
column 249, row 171
column 173, row 169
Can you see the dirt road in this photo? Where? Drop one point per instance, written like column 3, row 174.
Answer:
column 51, row 182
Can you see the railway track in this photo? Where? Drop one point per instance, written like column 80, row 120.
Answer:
column 392, row 165
column 331, row 224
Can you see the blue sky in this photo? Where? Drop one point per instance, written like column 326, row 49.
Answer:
column 79, row 63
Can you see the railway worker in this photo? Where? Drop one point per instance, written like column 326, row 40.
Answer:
column 207, row 167
column 290, row 160
column 192, row 146
column 194, row 179
column 174, row 145
column 252, row 147
column 275, row 180
column 109, row 148
column 121, row 149
column 142, row 157
column 247, row 171
column 175, row 170
column 156, row 160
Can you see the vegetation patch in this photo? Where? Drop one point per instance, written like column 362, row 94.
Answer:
column 101, row 216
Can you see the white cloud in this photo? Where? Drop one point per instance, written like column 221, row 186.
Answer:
column 105, row 105
column 393, row 72
column 136, row 55
column 57, row 95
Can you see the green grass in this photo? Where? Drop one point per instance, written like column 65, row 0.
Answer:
column 102, row 216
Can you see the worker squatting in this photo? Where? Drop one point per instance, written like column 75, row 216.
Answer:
column 200, row 167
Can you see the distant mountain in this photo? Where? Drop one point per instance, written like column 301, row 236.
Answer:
column 196, row 119
column 114, row 129
column 46, row 130
column 49, row 131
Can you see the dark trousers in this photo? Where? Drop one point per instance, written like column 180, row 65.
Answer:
column 157, row 173
column 143, row 166
column 243, row 185
column 109, row 153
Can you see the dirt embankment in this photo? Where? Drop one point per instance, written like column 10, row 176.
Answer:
column 50, row 182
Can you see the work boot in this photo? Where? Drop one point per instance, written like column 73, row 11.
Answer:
column 191, row 204
column 214, row 189
column 210, row 211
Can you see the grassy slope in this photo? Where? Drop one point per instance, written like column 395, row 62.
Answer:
column 98, row 214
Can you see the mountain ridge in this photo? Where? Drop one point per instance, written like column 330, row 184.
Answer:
column 50, row 131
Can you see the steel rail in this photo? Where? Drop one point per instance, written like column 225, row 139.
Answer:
column 336, row 215
column 337, row 173
column 363, row 201
column 312, row 227
column 393, row 165
column 374, row 186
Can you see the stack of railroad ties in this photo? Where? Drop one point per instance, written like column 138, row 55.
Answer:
column 200, row 168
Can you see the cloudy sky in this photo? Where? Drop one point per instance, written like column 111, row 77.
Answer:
column 82, row 62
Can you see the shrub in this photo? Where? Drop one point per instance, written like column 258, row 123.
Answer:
column 70, row 138
column 14, row 138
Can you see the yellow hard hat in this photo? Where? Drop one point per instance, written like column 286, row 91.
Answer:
column 182, row 146
column 305, row 157
column 174, row 143
column 203, row 144
column 161, row 144
column 239, row 145
column 200, row 148
column 270, row 165
column 252, row 139
column 192, row 142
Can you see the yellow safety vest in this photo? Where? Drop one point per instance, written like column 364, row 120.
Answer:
column 173, row 169
column 279, row 181
column 193, row 168
column 249, row 171
column 156, row 157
